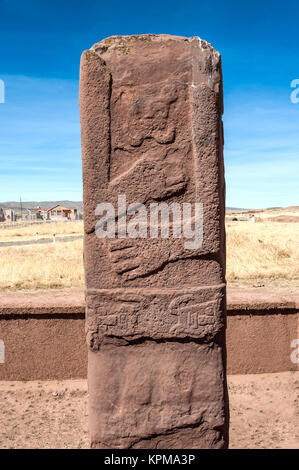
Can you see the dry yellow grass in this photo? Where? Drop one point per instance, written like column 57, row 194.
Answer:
column 42, row 266
column 45, row 230
column 264, row 250
column 265, row 213
column 276, row 213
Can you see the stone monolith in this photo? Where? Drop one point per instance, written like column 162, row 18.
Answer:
column 151, row 108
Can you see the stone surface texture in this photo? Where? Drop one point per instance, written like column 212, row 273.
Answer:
column 151, row 108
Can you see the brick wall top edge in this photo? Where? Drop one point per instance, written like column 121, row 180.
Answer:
column 72, row 302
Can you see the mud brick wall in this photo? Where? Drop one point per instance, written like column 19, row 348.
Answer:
column 42, row 335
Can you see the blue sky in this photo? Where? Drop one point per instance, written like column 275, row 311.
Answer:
column 40, row 47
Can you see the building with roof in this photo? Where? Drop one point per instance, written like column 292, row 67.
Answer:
column 57, row 213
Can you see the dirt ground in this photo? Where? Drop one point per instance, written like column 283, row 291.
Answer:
column 53, row 414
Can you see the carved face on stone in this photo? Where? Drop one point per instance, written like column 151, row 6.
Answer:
column 147, row 115
column 149, row 128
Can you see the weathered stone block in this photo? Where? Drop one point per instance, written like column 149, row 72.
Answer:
column 151, row 108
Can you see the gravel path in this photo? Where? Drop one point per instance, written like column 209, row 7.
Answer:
column 40, row 242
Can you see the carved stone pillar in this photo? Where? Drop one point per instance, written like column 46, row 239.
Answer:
column 151, row 108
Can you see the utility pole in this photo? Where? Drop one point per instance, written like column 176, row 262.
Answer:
column 21, row 208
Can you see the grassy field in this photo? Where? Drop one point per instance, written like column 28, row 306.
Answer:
column 42, row 266
column 265, row 250
column 266, row 213
column 45, row 230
